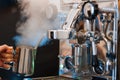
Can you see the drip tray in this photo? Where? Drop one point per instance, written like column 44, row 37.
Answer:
column 53, row 78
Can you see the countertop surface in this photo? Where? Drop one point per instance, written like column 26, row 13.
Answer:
column 52, row 78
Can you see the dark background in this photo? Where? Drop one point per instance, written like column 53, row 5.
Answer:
column 47, row 62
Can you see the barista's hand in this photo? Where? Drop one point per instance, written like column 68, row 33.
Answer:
column 6, row 56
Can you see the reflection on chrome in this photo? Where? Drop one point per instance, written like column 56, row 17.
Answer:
column 90, row 36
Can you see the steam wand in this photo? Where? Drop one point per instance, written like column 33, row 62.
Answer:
column 108, row 40
column 90, row 11
column 98, row 65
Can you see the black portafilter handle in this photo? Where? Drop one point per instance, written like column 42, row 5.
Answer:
column 98, row 65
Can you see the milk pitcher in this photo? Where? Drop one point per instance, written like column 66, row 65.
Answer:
column 24, row 60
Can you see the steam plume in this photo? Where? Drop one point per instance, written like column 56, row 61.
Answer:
column 35, row 22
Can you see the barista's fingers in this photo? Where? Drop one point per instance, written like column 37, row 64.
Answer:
column 1, row 63
column 6, row 66
column 10, row 50
column 4, row 48
column 6, row 55
column 8, row 60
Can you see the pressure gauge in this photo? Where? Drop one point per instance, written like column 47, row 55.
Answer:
column 90, row 10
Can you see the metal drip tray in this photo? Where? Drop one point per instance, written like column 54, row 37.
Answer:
column 60, row 78
column 53, row 78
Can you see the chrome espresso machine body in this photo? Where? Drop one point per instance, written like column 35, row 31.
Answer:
column 88, row 41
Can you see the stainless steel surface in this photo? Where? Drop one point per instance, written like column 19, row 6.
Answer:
column 99, row 34
column 58, row 34
column 24, row 63
column 77, row 55
column 53, row 78
column 62, row 77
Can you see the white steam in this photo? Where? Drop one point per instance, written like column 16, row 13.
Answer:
column 37, row 24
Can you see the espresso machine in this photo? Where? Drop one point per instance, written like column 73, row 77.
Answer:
column 88, row 40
